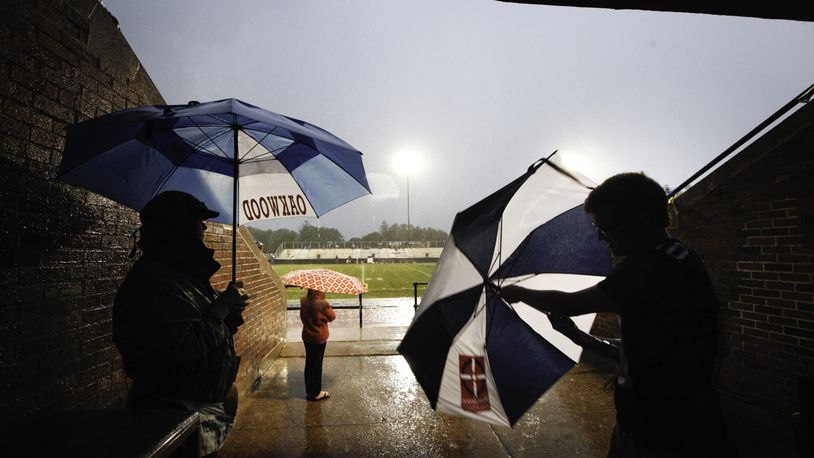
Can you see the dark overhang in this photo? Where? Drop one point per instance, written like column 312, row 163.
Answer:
column 797, row 10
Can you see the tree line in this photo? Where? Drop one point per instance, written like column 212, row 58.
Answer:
column 272, row 238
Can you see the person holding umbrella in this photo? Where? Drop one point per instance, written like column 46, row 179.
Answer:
column 172, row 328
column 665, row 396
column 315, row 314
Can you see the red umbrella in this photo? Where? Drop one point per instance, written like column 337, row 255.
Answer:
column 325, row 280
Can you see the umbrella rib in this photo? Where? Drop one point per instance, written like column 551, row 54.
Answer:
column 258, row 143
column 339, row 166
column 261, row 159
column 522, row 246
column 211, row 140
column 197, row 146
column 495, row 261
column 272, row 153
column 518, row 252
column 563, row 171
column 306, row 196
column 326, row 157
column 160, row 187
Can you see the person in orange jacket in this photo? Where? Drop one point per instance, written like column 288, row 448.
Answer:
column 315, row 314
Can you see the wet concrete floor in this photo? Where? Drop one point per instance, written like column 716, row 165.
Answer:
column 378, row 409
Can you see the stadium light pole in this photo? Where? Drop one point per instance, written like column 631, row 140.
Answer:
column 408, row 204
column 407, row 163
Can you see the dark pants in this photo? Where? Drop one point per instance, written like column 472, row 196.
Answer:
column 623, row 446
column 313, row 369
column 716, row 446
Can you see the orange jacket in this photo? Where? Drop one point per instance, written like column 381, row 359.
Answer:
column 315, row 319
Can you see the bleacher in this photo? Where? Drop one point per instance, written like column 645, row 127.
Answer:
column 372, row 252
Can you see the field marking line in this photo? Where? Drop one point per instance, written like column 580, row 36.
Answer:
column 420, row 271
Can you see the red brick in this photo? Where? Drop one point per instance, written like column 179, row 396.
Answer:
column 785, row 204
column 793, row 296
column 798, row 314
column 803, row 333
column 804, row 278
column 782, row 321
column 769, row 327
column 752, row 300
column 781, row 303
column 804, row 268
column 761, row 241
column 781, row 286
column 776, row 249
column 765, row 276
column 756, row 333
column 766, row 293
column 804, row 287
column 786, row 222
column 793, row 258
column 750, row 266
column 771, row 214
column 790, row 240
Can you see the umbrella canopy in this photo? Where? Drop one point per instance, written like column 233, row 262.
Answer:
column 475, row 355
column 325, row 280
column 242, row 161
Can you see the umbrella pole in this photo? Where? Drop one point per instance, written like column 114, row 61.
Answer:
column 236, row 164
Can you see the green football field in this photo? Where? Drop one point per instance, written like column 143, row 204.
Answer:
column 383, row 280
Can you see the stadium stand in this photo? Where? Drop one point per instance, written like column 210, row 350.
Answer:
column 356, row 252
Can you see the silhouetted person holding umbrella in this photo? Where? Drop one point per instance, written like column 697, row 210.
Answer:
column 665, row 396
column 173, row 330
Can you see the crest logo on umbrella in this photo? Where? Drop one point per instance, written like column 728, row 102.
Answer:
column 474, row 394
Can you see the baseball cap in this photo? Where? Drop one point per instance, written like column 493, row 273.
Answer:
column 175, row 205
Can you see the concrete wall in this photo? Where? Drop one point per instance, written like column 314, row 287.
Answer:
column 63, row 250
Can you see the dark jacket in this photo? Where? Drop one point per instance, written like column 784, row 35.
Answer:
column 665, row 395
column 315, row 318
column 170, row 346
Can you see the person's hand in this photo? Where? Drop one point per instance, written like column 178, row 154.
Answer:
column 232, row 299
column 512, row 293
column 237, row 297
column 562, row 323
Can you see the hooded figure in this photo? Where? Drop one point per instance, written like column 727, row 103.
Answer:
column 173, row 330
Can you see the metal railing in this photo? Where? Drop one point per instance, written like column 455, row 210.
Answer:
column 341, row 306
column 415, row 292
column 416, row 284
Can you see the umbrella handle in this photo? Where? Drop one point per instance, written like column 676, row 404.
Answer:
column 235, row 197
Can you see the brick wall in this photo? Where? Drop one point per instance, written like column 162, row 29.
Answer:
column 752, row 220
column 264, row 331
column 63, row 250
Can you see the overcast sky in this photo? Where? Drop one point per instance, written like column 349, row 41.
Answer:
column 478, row 89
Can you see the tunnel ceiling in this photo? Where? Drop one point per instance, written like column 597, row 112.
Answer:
column 793, row 10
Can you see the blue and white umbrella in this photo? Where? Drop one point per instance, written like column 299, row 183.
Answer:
column 475, row 355
column 244, row 162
